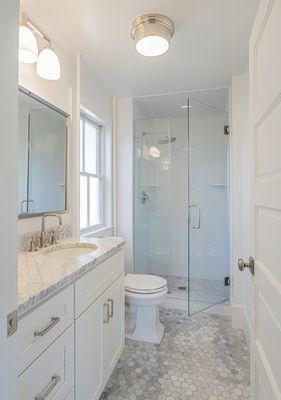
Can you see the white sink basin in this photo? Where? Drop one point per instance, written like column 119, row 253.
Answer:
column 70, row 251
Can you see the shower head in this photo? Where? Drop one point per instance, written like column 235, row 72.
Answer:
column 166, row 140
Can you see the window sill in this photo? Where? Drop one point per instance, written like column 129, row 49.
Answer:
column 99, row 232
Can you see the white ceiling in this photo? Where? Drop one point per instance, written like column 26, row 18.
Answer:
column 209, row 46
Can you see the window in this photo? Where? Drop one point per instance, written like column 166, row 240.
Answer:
column 91, row 174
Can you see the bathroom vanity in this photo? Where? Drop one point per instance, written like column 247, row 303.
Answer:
column 71, row 318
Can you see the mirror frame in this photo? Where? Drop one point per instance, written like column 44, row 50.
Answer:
column 66, row 115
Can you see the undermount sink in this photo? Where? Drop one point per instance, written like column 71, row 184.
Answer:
column 69, row 251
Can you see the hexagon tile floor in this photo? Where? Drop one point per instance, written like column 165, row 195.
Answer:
column 199, row 358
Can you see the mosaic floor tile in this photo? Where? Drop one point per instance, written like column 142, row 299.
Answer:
column 201, row 290
column 199, row 358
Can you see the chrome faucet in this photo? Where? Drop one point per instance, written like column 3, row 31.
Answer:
column 43, row 230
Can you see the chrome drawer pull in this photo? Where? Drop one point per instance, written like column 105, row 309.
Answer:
column 106, row 320
column 111, row 312
column 51, row 324
column 43, row 395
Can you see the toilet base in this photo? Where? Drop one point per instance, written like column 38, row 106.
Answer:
column 155, row 337
column 143, row 324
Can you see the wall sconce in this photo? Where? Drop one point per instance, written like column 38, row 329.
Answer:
column 48, row 65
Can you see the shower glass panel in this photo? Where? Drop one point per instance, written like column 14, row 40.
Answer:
column 208, row 207
column 152, row 235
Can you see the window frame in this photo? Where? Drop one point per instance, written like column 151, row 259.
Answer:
column 100, row 171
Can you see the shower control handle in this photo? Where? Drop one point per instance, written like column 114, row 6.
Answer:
column 197, row 206
column 144, row 197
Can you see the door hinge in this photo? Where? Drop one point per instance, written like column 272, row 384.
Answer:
column 226, row 130
column 226, row 281
column 12, row 323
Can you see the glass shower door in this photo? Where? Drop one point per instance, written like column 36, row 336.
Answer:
column 152, row 197
column 208, row 207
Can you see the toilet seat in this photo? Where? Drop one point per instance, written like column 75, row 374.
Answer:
column 145, row 284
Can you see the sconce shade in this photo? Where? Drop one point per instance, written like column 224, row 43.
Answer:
column 48, row 65
column 28, row 49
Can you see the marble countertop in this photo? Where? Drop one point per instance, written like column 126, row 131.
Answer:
column 44, row 272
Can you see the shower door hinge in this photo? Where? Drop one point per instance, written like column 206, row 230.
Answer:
column 12, row 323
column 226, row 130
column 226, row 281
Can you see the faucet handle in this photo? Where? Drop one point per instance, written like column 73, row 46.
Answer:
column 42, row 240
column 32, row 246
column 53, row 237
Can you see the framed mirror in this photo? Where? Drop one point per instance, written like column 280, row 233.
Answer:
column 42, row 156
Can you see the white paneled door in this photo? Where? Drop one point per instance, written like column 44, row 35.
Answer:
column 9, row 15
column 265, row 107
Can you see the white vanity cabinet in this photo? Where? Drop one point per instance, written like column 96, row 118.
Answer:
column 51, row 376
column 46, row 348
column 70, row 344
column 99, row 330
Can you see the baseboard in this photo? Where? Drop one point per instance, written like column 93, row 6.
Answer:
column 247, row 330
column 238, row 316
column 240, row 320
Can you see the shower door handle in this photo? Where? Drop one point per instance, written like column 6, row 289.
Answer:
column 197, row 206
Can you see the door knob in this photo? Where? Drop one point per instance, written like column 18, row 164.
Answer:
column 251, row 265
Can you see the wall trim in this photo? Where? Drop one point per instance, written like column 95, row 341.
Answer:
column 238, row 317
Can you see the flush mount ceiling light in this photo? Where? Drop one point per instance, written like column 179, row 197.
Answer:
column 48, row 65
column 152, row 34
column 28, row 49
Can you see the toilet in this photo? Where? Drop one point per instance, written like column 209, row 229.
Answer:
column 143, row 295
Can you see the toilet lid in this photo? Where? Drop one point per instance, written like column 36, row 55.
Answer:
column 140, row 283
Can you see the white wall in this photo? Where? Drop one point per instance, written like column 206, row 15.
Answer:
column 240, row 199
column 76, row 86
column 59, row 93
column 123, row 165
column 8, row 201
column 93, row 96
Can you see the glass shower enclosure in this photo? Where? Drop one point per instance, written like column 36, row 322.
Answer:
column 181, row 204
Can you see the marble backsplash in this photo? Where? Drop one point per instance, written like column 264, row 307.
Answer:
column 24, row 239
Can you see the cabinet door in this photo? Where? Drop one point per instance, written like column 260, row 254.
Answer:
column 89, row 344
column 116, row 328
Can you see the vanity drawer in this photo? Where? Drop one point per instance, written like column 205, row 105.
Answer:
column 42, row 326
column 52, row 374
column 94, row 283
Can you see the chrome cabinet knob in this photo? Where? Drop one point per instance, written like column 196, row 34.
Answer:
column 251, row 265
